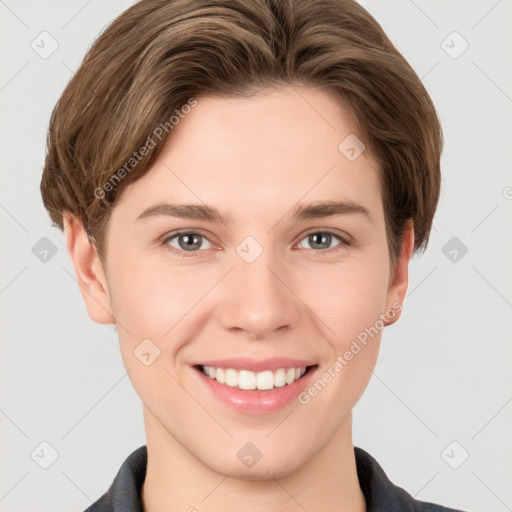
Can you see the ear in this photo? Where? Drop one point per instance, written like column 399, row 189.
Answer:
column 399, row 279
column 89, row 272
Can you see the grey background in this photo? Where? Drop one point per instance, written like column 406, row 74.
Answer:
column 444, row 369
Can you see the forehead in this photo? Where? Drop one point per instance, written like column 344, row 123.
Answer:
column 267, row 151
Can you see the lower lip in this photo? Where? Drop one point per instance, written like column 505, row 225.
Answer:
column 257, row 401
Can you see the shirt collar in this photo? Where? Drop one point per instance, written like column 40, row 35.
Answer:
column 379, row 492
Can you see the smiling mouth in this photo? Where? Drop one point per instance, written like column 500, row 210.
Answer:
column 248, row 381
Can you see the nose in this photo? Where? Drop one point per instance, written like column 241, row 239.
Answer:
column 258, row 298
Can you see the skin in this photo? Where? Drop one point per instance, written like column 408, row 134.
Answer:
column 254, row 158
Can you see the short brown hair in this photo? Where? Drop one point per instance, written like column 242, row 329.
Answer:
column 158, row 54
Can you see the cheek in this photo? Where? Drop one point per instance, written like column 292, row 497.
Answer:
column 163, row 304
column 351, row 298
column 351, row 306
column 151, row 297
column 148, row 305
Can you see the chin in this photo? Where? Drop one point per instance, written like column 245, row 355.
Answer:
column 261, row 473
column 266, row 468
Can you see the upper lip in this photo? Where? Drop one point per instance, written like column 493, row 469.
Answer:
column 257, row 365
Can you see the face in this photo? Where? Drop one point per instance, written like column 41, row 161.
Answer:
column 264, row 289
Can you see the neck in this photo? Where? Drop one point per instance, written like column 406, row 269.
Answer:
column 177, row 480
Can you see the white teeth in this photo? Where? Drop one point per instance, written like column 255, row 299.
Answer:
column 290, row 375
column 265, row 380
column 218, row 374
column 245, row 379
column 231, row 377
column 279, row 378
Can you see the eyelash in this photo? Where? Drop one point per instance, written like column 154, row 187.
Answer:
column 344, row 241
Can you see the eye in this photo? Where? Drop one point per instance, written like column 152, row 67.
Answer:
column 192, row 242
column 322, row 240
column 187, row 241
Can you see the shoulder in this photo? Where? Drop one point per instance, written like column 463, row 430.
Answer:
column 382, row 494
column 103, row 504
column 124, row 492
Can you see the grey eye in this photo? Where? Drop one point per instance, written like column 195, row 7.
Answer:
column 321, row 240
column 189, row 242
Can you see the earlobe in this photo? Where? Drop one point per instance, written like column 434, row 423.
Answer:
column 400, row 280
column 89, row 272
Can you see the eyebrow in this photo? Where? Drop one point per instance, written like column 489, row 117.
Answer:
column 314, row 210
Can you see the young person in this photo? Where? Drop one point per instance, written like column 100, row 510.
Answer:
column 242, row 185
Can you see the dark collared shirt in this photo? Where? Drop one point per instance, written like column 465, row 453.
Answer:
column 380, row 493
